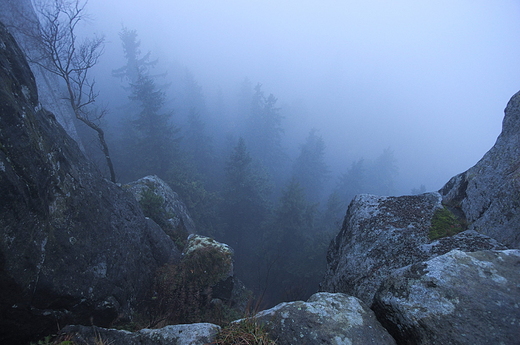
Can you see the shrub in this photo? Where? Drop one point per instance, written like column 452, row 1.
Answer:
column 244, row 332
column 183, row 292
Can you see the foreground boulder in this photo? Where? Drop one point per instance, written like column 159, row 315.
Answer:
column 192, row 334
column 455, row 298
column 325, row 318
column 74, row 247
column 488, row 194
column 200, row 288
column 381, row 234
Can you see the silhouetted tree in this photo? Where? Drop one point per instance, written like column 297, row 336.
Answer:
column 383, row 173
column 196, row 141
column 310, row 169
column 420, row 190
column 294, row 244
column 353, row 182
column 156, row 144
column 136, row 65
column 333, row 214
column 150, row 141
column 245, row 199
column 264, row 131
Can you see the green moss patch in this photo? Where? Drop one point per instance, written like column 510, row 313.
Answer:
column 445, row 223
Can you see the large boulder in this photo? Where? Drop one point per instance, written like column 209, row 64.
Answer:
column 192, row 334
column 326, row 318
column 163, row 204
column 455, row 298
column 74, row 247
column 488, row 194
column 381, row 234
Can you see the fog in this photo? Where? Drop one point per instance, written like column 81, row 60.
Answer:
column 428, row 80
column 267, row 118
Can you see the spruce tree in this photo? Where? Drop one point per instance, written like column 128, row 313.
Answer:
column 149, row 139
column 310, row 168
column 264, row 131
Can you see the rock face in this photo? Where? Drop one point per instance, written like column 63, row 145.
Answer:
column 489, row 193
column 381, row 234
column 18, row 15
column 325, row 318
column 74, row 247
column 171, row 208
column 192, row 334
column 455, row 298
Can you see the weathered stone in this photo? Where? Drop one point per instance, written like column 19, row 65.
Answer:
column 74, row 247
column 381, row 234
column 173, row 210
column 192, row 334
column 20, row 18
column 222, row 256
column 489, row 193
column 455, row 298
column 326, row 318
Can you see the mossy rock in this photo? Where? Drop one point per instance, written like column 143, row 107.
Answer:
column 444, row 223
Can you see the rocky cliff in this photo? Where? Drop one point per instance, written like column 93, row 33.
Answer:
column 435, row 267
column 74, row 247
column 488, row 194
column 19, row 16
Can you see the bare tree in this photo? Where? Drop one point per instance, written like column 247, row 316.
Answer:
column 60, row 52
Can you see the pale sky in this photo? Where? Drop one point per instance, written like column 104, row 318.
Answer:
column 429, row 79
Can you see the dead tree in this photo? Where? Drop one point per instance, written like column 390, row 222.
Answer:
column 60, row 52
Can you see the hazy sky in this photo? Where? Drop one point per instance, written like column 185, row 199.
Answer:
column 429, row 79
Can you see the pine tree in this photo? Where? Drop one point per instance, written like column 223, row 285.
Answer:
column 136, row 66
column 149, row 140
column 294, row 244
column 383, row 173
column 310, row 169
column 245, row 196
column 353, row 182
column 156, row 146
column 264, row 131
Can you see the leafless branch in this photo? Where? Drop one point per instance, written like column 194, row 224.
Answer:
column 60, row 53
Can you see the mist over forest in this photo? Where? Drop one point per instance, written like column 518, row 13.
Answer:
column 268, row 117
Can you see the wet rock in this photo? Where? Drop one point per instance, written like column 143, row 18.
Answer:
column 455, row 298
column 326, row 318
column 20, row 19
column 74, row 247
column 192, row 334
column 381, row 234
column 171, row 209
column 488, row 194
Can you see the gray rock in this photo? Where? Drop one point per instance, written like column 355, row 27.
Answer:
column 489, row 193
column 18, row 16
column 381, row 234
column 326, row 318
column 192, row 334
column 74, row 247
column 173, row 208
column 456, row 298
